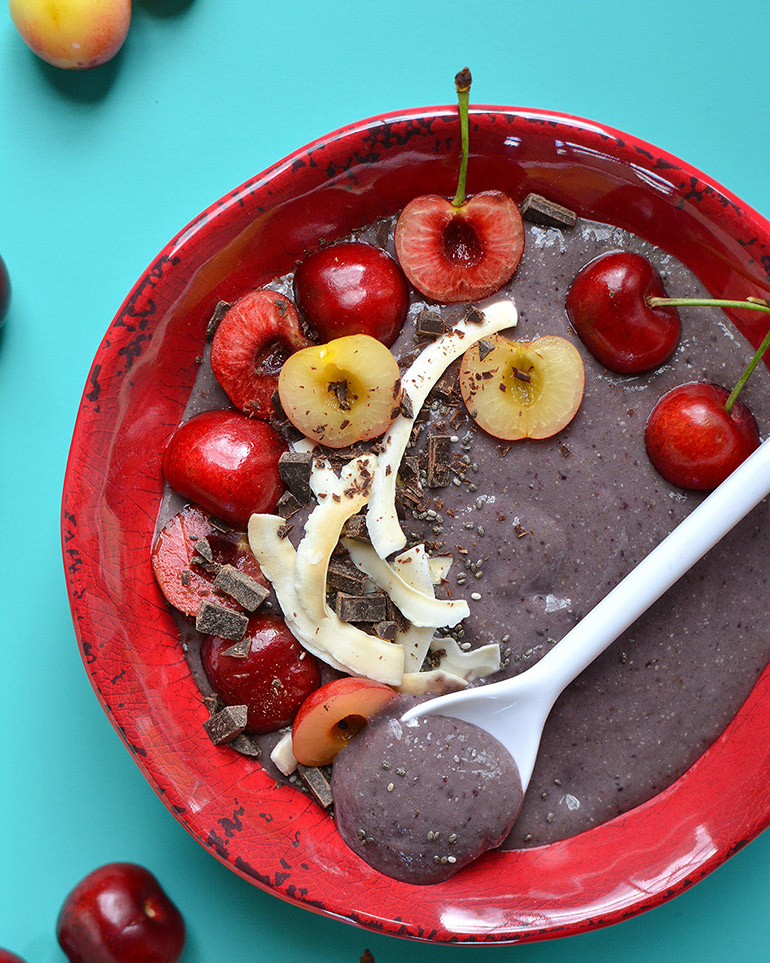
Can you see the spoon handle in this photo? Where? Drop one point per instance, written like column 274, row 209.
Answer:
column 658, row 571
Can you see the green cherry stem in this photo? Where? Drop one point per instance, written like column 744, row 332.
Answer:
column 752, row 304
column 463, row 85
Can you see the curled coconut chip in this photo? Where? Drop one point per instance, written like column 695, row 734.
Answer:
column 381, row 520
column 339, row 644
column 420, row 607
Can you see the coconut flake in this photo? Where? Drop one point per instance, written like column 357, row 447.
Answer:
column 470, row 665
column 382, row 521
column 282, row 756
column 422, row 608
column 337, row 643
column 433, row 682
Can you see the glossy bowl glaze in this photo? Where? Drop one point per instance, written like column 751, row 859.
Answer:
column 271, row 835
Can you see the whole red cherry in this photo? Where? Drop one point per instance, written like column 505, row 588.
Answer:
column 272, row 680
column 226, row 463
column 607, row 307
column 352, row 288
column 5, row 290
column 120, row 914
column 693, row 441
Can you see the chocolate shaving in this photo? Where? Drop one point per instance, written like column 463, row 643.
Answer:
column 484, row 349
column 239, row 650
column 283, row 530
column 406, row 408
column 445, row 387
column 241, row 587
column 355, row 528
column 340, row 389
column 247, row 745
column 430, row 325
column 371, row 607
column 220, row 311
column 287, row 505
column 214, row 619
column 226, row 724
column 439, row 460
column 473, row 315
column 203, row 548
column 343, row 577
column 317, row 784
column 539, row 210
column 185, row 577
column 387, row 630
column 294, row 467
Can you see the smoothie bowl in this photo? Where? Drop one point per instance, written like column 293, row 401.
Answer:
column 575, row 862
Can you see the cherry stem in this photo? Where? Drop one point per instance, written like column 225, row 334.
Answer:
column 463, row 85
column 753, row 304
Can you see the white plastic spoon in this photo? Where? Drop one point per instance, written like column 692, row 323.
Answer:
column 514, row 710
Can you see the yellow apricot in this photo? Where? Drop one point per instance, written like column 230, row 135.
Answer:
column 72, row 34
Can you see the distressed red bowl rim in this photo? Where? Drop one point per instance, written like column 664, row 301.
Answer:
column 272, row 836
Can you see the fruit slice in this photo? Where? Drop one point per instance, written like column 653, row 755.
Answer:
column 185, row 581
column 352, row 288
column 342, row 392
column 693, row 441
column 460, row 250
column 607, row 306
column 227, row 463
column 253, row 339
column 523, row 389
column 272, row 679
column 329, row 718
column 381, row 519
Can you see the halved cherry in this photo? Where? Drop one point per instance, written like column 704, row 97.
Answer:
column 273, row 679
column 342, row 392
column 329, row 718
column 181, row 572
column 252, row 341
column 460, row 250
column 522, row 389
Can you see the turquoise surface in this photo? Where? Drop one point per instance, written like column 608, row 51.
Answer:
column 97, row 171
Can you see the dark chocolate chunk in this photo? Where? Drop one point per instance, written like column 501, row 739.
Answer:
column 219, row 312
column 430, row 325
column 213, row 703
column 317, row 784
column 185, row 577
column 226, row 724
column 287, row 505
column 239, row 649
column 446, row 385
column 386, row 630
column 294, row 467
column 394, row 614
column 283, row 530
column 473, row 315
column 355, row 528
column 484, row 348
column 406, row 408
column 340, row 389
column 345, row 578
column 241, row 587
column 213, row 619
column 366, row 957
column 203, row 548
column 371, row 607
column 247, row 745
column 439, row 460
column 540, row 210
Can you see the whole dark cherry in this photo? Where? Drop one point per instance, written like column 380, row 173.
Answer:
column 693, row 441
column 119, row 913
column 352, row 288
column 226, row 463
column 7, row 957
column 607, row 306
column 272, row 680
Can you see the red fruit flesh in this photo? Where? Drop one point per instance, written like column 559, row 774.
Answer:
column 693, row 442
column 273, row 680
column 226, row 463
column 120, row 914
column 461, row 253
column 607, row 307
column 352, row 288
column 173, row 553
column 252, row 341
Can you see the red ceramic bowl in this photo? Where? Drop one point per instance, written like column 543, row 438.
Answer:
column 136, row 392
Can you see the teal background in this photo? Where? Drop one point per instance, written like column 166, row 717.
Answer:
column 97, row 171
